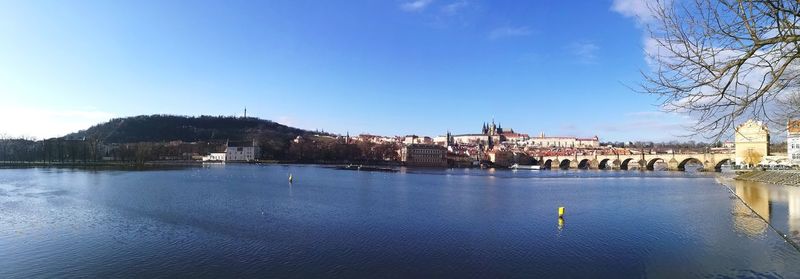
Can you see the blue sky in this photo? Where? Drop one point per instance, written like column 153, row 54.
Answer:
column 380, row 67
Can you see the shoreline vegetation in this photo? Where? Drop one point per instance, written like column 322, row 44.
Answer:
column 166, row 165
column 788, row 178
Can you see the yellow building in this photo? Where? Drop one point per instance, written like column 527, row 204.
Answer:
column 752, row 142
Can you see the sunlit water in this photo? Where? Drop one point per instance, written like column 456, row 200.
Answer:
column 248, row 221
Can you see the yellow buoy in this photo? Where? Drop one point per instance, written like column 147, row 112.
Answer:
column 561, row 212
column 290, row 178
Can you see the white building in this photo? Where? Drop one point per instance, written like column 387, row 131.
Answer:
column 241, row 151
column 214, row 157
column 572, row 142
column 793, row 142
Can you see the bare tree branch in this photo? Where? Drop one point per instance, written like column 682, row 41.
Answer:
column 722, row 61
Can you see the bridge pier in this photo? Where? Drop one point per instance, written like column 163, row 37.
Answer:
column 616, row 164
column 594, row 164
column 573, row 164
column 672, row 164
column 642, row 164
column 709, row 166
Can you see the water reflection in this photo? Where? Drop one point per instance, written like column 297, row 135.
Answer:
column 242, row 221
column 757, row 198
column 778, row 204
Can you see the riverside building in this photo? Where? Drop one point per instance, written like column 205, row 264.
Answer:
column 793, row 141
column 241, row 151
column 424, row 155
column 751, row 142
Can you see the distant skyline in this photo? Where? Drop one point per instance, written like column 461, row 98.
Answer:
column 380, row 67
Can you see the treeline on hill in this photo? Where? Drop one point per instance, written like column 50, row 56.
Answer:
column 158, row 128
column 167, row 137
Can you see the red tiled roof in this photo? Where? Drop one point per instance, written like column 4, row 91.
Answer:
column 794, row 126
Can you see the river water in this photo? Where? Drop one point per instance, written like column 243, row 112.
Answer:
column 248, row 221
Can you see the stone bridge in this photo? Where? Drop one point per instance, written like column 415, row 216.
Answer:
column 710, row 161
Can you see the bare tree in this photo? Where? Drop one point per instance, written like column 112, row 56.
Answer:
column 752, row 157
column 724, row 60
column 789, row 106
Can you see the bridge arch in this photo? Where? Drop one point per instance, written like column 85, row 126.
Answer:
column 548, row 164
column 651, row 165
column 585, row 164
column 605, row 164
column 564, row 165
column 718, row 167
column 682, row 164
column 624, row 164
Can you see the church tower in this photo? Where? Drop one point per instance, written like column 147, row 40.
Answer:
column 449, row 139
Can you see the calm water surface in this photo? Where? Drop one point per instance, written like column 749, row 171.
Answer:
column 247, row 221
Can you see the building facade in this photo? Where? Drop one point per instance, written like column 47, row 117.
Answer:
column 241, row 151
column 501, row 158
column 570, row 142
column 751, row 141
column 414, row 139
column 424, row 155
column 214, row 157
column 793, row 141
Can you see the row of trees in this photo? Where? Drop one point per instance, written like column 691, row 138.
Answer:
column 317, row 149
column 331, row 150
column 52, row 150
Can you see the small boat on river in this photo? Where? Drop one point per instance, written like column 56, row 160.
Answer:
column 525, row 167
column 365, row 168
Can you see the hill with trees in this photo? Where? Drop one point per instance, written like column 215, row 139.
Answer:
column 149, row 138
column 165, row 128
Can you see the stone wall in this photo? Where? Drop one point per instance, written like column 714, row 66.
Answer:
column 773, row 177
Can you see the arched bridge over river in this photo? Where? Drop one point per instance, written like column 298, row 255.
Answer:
column 710, row 161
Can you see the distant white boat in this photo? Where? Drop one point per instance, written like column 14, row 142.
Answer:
column 525, row 167
column 727, row 168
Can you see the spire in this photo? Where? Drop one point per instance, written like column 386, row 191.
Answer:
column 245, row 112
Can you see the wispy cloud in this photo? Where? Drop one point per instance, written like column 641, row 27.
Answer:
column 638, row 9
column 415, row 6
column 455, row 7
column 585, row 51
column 509, row 31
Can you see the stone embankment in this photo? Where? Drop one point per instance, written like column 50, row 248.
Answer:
column 773, row 177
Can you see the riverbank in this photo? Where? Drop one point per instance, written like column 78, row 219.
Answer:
column 791, row 178
column 178, row 164
column 103, row 165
